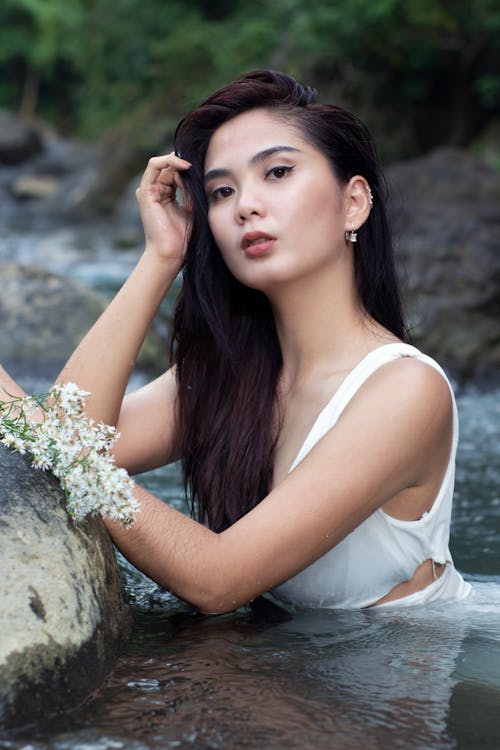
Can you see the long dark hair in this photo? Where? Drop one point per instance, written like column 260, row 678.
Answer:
column 224, row 339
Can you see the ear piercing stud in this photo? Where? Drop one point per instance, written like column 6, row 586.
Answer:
column 351, row 235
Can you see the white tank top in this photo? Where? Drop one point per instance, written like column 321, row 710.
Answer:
column 383, row 551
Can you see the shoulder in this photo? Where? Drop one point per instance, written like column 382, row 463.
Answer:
column 404, row 408
column 408, row 383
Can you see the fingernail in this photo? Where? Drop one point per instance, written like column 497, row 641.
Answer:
column 179, row 156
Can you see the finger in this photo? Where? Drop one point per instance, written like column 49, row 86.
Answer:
column 168, row 161
column 170, row 178
column 163, row 169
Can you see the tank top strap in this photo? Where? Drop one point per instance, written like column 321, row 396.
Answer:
column 353, row 382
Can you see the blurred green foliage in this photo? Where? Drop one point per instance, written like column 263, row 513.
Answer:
column 419, row 72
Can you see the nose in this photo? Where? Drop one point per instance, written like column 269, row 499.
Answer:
column 249, row 203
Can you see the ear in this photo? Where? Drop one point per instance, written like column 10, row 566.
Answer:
column 358, row 202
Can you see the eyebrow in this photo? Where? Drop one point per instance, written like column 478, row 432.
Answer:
column 258, row 158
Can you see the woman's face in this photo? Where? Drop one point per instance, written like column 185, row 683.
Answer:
column 275, row 208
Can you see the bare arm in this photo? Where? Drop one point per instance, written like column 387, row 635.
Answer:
column 148, row 426
column 103, row 361
column 384, row 444
column 9, row 387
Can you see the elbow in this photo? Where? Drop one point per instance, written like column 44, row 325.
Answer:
column 217, row 600
column 214, row 605
column 215, row 608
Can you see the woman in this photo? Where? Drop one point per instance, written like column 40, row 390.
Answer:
column 318, row 446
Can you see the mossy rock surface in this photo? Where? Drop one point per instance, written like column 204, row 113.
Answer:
column 64, row 618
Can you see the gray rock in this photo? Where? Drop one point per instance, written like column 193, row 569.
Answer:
column 19, row 140
column 44, row 316
column 63, row 618
column 446, row 209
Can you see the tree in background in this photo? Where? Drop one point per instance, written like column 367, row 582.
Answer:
column 38, row 39
column 420, row 72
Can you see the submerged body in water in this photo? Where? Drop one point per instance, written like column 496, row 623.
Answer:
column 382, row 551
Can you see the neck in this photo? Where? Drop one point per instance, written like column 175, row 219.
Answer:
column 322, row 327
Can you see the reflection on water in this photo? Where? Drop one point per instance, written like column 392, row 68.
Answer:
column 269, row 678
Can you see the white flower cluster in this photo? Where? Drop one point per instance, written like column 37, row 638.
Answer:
column 74, row 448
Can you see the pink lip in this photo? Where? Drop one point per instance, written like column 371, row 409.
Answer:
column 257, row 243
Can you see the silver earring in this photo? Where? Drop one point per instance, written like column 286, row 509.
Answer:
column 370, row 195
column 352, row 235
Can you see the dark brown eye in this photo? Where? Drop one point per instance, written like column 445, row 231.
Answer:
column 277, row 173
column 220, row 193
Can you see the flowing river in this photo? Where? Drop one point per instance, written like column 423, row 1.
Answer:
column 267, row 678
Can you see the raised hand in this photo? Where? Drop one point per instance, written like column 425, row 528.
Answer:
column 103, row 361
column 166, row 220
